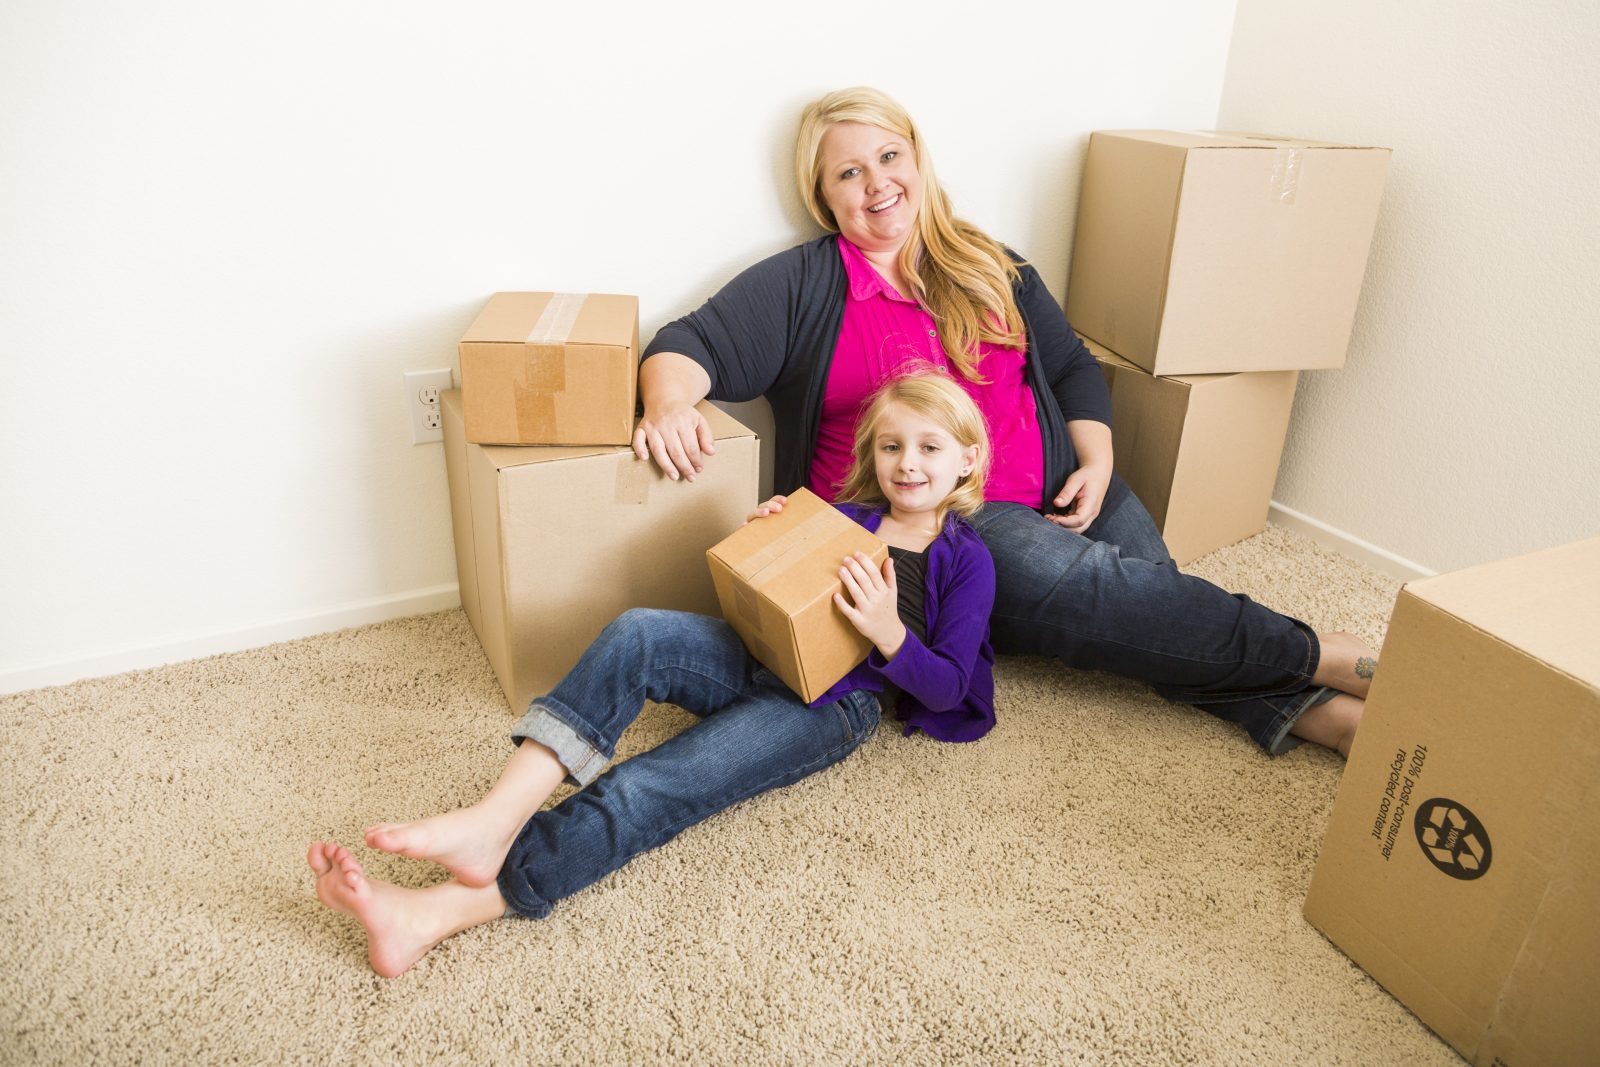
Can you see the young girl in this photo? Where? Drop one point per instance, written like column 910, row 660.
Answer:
column 920, row 459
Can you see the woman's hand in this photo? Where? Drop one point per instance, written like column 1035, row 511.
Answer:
column 874, row 604
column 771, row 507
column 673, row 432
column 678, row 439
column 1082, row 495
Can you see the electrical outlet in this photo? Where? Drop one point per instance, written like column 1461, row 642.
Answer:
column 422, row 400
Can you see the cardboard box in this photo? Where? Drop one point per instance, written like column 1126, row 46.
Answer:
column 1461, row 866
column 554, row 543
column 1199, row 253
column 775, row 580
column 551, row 369
column 1200, row 452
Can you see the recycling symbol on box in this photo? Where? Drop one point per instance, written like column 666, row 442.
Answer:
column 1453, row 838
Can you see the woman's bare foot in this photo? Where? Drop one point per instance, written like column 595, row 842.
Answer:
column 1347, row 664
column 1332, row 723
column 401, row 924
column 463, row 841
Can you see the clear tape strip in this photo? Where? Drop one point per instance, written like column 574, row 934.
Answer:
column 555, row 323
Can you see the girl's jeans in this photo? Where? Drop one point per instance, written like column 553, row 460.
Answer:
column 754, row 734
column 1111, row 599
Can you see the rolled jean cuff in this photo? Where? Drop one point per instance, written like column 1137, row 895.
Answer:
column 1279, row 740
column 583, row 761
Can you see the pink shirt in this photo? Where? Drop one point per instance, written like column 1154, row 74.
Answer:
column 881, row 333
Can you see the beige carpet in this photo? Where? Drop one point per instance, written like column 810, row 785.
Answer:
column 1105, row 878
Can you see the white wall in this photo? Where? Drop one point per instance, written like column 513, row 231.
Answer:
column 1461, row 430
column 228, row 229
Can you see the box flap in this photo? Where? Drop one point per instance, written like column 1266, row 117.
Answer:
column 1227, row 139
column 723, row 425
column 556, row 318
column 1105, row 356
column 1546, row 603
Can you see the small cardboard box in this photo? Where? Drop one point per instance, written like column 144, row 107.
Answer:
column 1461, row 867
column 551, row 369
column 775, row 580
column 1200, row 452
column 1201, row 253
column 553, row 543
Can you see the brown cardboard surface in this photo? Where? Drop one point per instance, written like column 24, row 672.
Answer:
column 775, row 580
column 1503, row 963
column 553, row 543
column 1201, row 452
column 1210, row 253
column 551, row 369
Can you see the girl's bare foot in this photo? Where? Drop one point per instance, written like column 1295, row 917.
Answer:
column 1347, row 664
column 462, row 841
column 472, row 842
column 1332, row 723
column 401, row 924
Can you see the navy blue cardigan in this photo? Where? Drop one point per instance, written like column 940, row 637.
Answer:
column 773, row 329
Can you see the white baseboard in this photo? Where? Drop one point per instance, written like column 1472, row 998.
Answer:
column 194, row 646
column 1379, row 559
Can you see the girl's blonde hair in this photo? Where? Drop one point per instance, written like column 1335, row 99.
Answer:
column 958, row 272
column 933, row 394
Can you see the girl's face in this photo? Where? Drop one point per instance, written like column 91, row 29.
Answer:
column 917, row 461
column 871, row 184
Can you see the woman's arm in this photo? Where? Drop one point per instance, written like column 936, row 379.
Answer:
column 1074, row 377
column 733, row 347
column 1080, row 391
column 672, row 432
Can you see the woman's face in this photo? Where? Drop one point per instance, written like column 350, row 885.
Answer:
column 870, row 183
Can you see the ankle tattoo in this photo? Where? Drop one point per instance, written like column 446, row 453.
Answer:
column 1366, row 666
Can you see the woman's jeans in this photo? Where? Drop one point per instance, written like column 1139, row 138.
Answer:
column 1111, row 599
column 754, row 734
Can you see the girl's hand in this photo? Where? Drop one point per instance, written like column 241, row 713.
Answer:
column 771, row 507
column 874, row 604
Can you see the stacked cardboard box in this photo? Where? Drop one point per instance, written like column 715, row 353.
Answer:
column 551, row 369
column 564, row 529
column 552, row 543
column 1216, row 254
column 1461, row 866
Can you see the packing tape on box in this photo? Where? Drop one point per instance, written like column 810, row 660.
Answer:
column 543, row 376
column 763, row 653
column 1286, row 164
column 555, row 322
column 632, row 483
column 748, row 605
column 544, row 367
column 771, row 561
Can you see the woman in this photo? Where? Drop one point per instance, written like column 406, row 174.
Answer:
column 1081, row 571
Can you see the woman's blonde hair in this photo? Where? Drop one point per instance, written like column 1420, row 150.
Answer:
column 932, row 393
column 958, row 272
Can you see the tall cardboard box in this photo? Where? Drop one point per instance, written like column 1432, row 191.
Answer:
column 1201, row 452
column 553, row 543
column 1461, row 867
column 775, row 581
column 551, row 369
column 1200, row 253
